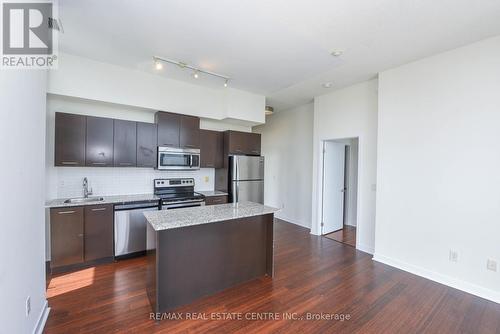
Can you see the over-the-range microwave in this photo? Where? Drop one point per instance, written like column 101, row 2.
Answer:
column 171, row 158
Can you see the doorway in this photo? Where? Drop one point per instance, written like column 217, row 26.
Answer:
column 340, row 183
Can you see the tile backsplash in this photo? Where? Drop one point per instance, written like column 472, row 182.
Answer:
column 67, row 181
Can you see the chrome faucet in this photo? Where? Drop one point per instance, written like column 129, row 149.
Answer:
column 86, row 191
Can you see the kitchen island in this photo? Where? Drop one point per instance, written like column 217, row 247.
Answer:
column 203, row 250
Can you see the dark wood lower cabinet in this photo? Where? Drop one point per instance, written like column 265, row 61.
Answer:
column 80, row 235
column 98, row 232
column 66, row 242
column 215, row 200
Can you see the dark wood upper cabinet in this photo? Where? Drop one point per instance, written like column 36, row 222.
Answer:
column 253, row 143
column 146, row 144
column 98, row 232
column 176, row 130
column 69, row 140
column 190, row 132
column 169, row 126
column 244, row 143
column 99, row 142
column 211, row 149
column 66, row 236
column 125, row 143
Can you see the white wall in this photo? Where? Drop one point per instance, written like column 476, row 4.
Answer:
column 438, row 167
column 65, row 182
column 89, row 79
column 286, row 146
column 22, row 133
column 349, row 113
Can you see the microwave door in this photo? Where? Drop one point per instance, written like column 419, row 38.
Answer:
column 195, row 161
column 174, row 160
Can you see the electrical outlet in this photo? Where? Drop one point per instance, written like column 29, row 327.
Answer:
column 28, row 306
column 282, row 205
column 206, row 179
column 491, row 265
column 453, row 255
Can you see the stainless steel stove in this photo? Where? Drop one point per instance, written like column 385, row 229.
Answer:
column 177, row 193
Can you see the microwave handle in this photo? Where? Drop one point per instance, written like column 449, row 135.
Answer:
column 190, row 160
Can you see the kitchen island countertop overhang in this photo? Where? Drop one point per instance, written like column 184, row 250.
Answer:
column 169, row 219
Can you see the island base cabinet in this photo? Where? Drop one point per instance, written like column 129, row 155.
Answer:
column 66, row 242
column 217, row 256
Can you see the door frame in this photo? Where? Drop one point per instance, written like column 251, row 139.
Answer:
column 319, row 185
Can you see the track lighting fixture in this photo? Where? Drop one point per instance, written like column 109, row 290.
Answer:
column 158, row 61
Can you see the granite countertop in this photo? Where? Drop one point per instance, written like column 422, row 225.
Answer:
column 169, row 219
column 212, row 193
column 116, row 199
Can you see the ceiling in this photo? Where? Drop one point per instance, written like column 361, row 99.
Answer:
column 278, row 48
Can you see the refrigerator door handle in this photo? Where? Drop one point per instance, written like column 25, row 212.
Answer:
column 237, row 191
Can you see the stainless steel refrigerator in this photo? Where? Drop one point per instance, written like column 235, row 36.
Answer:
column 246, row 179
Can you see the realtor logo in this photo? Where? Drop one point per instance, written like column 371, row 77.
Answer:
column 28, row 35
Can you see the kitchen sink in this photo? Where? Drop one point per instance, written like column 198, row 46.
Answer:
column 84, row 200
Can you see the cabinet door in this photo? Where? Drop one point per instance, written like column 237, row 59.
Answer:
column 168, row 128
column 125, row 143
column 99, row 143
column 69, row 140
column 253, row 143
column 190, row 132
column 66, row 236
column 237, row 142
column 211, row 149
column 98, row 232
column 146, row 145
column 219, row 151
column 208, row 147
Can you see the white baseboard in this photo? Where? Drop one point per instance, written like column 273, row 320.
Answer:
column 440, row 278
column 293, row 221
column 42, row 319
column 365, row 248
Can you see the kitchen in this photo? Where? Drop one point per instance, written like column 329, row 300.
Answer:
column 94, row 229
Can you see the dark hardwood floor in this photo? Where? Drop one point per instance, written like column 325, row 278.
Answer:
column 313, row 274
column 347, row 235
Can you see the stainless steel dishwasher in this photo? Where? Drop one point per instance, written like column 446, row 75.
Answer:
column 131, row 227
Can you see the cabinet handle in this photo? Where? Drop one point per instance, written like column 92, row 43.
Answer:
column 99, row 163
column 99, row 209
column 66, row 212
column 125, row 163
column 190, row 145
column 80, row 235
column 69, row 162
column 255, row 151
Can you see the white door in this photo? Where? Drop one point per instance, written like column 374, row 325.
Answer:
column 333, row 186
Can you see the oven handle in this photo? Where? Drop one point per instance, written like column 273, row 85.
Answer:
column 184, row 202
column 183, row 205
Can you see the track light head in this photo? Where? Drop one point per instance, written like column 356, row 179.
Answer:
column 195, row 75
column 226, row 83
